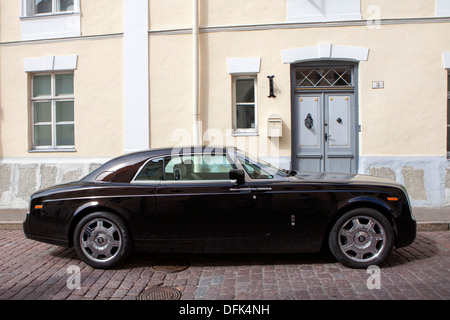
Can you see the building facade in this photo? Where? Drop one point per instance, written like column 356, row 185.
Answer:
column 356, row 86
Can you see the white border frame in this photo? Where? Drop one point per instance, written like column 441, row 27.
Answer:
column 249, row 131
column 52, row 99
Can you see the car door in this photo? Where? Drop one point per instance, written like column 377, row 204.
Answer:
column 198, row 200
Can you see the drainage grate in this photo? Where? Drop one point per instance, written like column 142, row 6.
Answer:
column 160, row 293
column 171, row 264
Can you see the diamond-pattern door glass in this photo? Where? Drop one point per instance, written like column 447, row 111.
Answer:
column 323, row 77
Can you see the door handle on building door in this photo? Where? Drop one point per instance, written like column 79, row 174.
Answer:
column 327, row 136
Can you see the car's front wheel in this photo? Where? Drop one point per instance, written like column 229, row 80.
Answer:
column 361, row 237
column 101, row 239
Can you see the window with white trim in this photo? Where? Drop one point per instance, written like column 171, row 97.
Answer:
column 38, row 7
column 244, row 104
column 52, row 111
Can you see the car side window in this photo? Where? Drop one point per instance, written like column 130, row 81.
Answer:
column 197, row 167
column 253, row 170
column 153, row 170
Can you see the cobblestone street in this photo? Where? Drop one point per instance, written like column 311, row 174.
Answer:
column 32, row 270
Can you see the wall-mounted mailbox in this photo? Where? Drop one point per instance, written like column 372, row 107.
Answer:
column 274, row 126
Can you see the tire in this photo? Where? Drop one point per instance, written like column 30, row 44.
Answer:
column 102, row 240
column 361, row 238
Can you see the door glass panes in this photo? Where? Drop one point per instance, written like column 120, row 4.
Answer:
column 42, row 86
column 323, row 77
column 64, row 84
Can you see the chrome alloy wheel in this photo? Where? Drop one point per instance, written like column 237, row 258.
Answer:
column 362, row 238
column 100, row 240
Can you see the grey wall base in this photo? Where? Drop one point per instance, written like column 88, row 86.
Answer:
column 20, row 179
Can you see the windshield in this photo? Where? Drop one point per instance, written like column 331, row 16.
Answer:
column 258, row 168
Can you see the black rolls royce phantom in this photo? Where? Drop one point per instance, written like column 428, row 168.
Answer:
column 203, row 199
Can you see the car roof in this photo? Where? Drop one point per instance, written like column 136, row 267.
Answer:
column 122, row 168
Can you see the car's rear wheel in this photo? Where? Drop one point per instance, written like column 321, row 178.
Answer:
column 102, row 240
column 361, row 237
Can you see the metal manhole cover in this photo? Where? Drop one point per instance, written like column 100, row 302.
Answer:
column 171, row 264
column 160, row 293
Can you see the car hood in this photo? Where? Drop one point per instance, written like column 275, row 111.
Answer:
column 335, row 177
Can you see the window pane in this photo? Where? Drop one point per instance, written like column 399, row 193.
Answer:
column 65, row 135
column 254, row 170
column 245, row 117
column 42, row 112
column 153, row 171
column 245, row 91
column 42, row 6
column 42, row 135
column 206, row 167
column 64, row 111
column 448, row 139
column 64, row 84
column 64, row 5
column 42, row 86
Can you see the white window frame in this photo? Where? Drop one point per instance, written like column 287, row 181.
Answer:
column 26, row 4
column 247, row 131
column 52, row 98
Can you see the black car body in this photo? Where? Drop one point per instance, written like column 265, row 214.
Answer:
column 220, row 200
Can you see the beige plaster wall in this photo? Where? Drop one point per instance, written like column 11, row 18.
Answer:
column 98, row 97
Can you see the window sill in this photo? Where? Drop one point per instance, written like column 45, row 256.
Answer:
column 52, row 150
column 243, row 134
column 49, row 15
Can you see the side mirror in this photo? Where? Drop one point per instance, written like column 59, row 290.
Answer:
column 237, row 175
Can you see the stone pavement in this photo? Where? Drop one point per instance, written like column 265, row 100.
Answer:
column 30, row 270
column 429, row 219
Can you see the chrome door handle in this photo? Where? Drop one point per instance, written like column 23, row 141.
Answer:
column 264, row 189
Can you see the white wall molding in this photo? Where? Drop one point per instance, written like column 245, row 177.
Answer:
column 325, row 51
column 243, row 65
column 136, row 75
column 446, row 59
column 50, row 63
column 50, row 26
column 442, row 8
